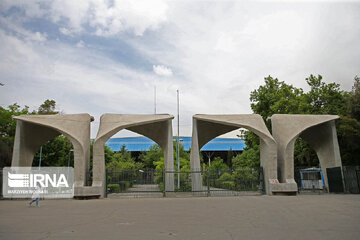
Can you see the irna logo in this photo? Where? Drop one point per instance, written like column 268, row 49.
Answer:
column 37, row 179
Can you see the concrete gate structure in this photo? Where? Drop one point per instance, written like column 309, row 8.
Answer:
column 207, row 127
column 276, row 152
column 33, row 131
column 157, row 127
column 318, row 130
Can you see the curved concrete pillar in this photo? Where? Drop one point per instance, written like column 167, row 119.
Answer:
column 318, row 130
column 207, row 127
column 156, row 127
column 33, row 131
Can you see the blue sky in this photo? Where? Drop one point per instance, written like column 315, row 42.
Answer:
column 101, row 56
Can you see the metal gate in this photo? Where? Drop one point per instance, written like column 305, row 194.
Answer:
column 134, row 183
column 335, row 180
column 246, row 181
column 142, row 183
column 352, row 179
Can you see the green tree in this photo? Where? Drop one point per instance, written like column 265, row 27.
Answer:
column 325, row 98
column 354, row 100
column 229, row 156
column 218, row 165
column 304, row 155
column 122, row 161
column 278, row 97
column 55, row 153
column 349, row 138
column 184, row 158
column 154, row 154
column 7, row 131
column 249, row 158
column 48, row 107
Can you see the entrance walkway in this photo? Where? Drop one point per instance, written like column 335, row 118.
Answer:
column 139, row 191
column 329, row 216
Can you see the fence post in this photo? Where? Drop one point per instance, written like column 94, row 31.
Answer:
column 208, row 182
column 164, row 180
column 106, row 187
column 262, row 181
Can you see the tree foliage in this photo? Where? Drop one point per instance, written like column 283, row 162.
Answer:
column 55, row 152
column 154, row 154
column 354, row 100
column 249, row 158
column 277, row 97
column 48, row 107
column 122, row 161
column 7, row 131
column 218, row 165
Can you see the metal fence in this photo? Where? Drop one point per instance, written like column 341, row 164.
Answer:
column 1, row 183
column 345, row 179
column 352, row 179
column 247, row 181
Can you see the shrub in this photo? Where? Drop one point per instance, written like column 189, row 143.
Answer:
column 112, row 188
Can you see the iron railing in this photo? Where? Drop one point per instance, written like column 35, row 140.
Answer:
column 213, row 182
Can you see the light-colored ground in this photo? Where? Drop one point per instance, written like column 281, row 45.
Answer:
column 246, row 217
column 153, row 191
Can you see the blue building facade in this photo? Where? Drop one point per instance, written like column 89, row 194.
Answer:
column 137, row 144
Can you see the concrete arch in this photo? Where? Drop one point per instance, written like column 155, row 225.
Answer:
column 318, row 130
column 157, row 127
column 32, row 131
column 207, row 127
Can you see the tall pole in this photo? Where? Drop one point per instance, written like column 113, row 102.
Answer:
column 40, row 157
column 178, row 140
column 69, row 157
column 155, row 99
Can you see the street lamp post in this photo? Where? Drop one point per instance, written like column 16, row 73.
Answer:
column 40, row 157
column 69, row 155
column 178, row 140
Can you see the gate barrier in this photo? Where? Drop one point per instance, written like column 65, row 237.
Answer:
column 218, row 182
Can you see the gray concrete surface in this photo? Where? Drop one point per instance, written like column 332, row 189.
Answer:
column 318, row 130
column 249, row 217
column 157, row 127
column 33, row 131
column 207, row 127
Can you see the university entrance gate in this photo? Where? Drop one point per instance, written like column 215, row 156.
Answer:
column 150, row 183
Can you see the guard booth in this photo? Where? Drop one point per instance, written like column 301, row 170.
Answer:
column 311, row 178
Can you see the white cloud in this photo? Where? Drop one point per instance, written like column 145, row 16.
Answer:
column 31, row 8
column 78, row 79
column 162, row 70
column 107, row 18
column 80, row 44
column 221, row 52
column 224, row 53
column 65, row 31
column 137, row 16
column 41, row 37
column 226, row 42
column 16, row 29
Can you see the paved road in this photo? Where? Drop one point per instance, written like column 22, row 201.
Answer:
column 247, row 217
